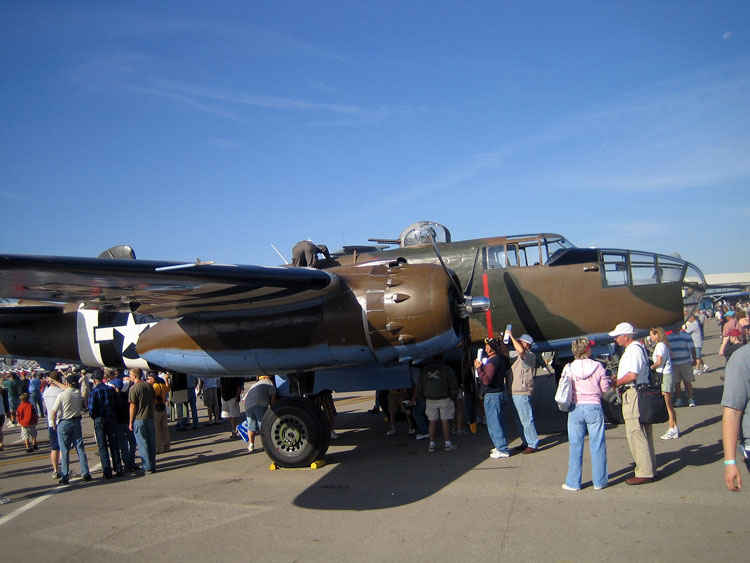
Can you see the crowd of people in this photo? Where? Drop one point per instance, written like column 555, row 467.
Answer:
column 131, row 411
column 505, row 374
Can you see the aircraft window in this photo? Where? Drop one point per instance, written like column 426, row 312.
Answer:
column 553, row 247
column 512, row 256
column 495, row 257
column 643, row 267
column 670, row 273
column 522, row 258
column 615, row 269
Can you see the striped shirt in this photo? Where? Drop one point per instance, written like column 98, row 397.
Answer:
column 680, row 345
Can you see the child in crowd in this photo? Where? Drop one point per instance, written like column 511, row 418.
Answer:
column 27, row 418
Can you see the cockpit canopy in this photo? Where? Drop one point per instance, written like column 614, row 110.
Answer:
column 527, row 250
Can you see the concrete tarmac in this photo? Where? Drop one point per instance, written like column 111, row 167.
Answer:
column 387, row 499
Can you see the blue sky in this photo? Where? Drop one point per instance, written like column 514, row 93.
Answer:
column 213, row 130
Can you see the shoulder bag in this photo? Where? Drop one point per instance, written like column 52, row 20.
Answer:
column 651, row 406
column 564, row 394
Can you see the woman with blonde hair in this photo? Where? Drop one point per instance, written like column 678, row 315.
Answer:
column 588, row 380
column 662, row 364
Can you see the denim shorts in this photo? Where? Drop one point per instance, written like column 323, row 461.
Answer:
column 255, row 417
column 698, row 352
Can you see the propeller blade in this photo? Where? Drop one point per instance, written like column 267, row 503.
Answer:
column 469, row 285
column 445, row 268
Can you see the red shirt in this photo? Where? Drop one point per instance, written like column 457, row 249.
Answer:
column 25, row 414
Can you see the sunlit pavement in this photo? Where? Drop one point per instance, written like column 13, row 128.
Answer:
column 386, row 499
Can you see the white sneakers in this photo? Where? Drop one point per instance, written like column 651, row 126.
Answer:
column 566, row 488
column 671, row 434
column 448, row 447
column 497, row 454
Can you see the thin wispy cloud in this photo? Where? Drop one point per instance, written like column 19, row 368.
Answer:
column 134, row 72
column 678, row 134
column 267, row 102
column 184, row 99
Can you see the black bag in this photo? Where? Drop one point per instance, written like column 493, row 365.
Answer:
column 651, row 406
column 612, row 407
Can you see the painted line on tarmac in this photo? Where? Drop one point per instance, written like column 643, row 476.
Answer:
column 39, row 500
column 29, row 505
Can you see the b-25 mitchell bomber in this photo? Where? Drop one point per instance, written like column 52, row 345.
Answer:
column 361, row 323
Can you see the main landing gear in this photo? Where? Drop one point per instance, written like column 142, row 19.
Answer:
column 295, row 432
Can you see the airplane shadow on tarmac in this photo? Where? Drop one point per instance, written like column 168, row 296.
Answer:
column 384, row 472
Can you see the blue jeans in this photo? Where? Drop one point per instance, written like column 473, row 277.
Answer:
column 525, row 420
column 145, row 437
column 70, row 436
column 493, row 412
column 36, row 400
column 126, row 441
column 420, row 418
column 193, row 406
column 580, row 419
column 106, row 438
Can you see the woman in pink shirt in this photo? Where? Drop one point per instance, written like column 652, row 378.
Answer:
column 589, row 380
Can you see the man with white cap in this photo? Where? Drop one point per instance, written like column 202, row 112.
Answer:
column 523, row 371
column 634, row 369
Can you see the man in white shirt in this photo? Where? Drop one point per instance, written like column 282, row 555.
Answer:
column 53, row 389
column 634, row 368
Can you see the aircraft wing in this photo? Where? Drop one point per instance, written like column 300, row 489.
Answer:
column 164, row 289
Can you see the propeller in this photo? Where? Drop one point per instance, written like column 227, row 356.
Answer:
column 470, row 305
column 469, row 285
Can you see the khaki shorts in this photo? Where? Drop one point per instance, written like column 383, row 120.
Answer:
column 667, row 382
column 682, row 372
column 440, row 409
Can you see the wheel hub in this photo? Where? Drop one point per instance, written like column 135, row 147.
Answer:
column 290, row 434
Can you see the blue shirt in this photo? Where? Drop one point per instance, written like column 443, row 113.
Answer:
column 102, row 402
column 34, row 385
column 680, row 345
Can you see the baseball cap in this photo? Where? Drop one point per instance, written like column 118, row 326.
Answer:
column 526, row 338
column 622, row 329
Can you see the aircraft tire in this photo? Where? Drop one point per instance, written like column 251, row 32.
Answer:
column 324, row 436
column 291, row 433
